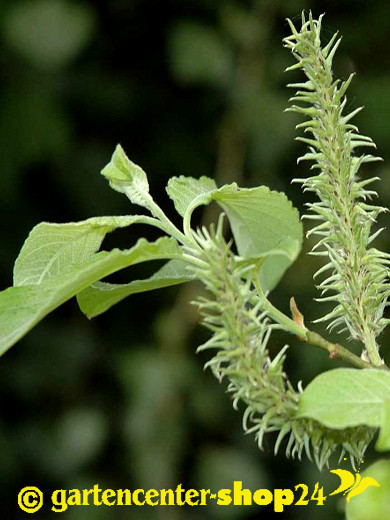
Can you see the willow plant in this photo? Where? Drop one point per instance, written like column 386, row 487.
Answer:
column 59, row 261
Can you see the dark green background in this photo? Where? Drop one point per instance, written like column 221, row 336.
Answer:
column 192, row 87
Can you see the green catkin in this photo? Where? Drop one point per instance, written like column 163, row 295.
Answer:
column 358, row 273
column 240, row 334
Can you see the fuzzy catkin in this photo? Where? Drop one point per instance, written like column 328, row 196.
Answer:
column 240, row 334
column 358, row 278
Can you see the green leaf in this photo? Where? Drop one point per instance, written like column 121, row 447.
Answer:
column 346, row 397
column 184, row 190
column 374, row 501
column 263, row 222
column 128, row 178
column 100, row 296
column 50, row 248
column 383, row 443
column 23, row 307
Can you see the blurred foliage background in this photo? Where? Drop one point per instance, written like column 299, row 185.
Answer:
column 192, row 87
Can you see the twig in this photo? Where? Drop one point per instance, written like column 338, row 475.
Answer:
column 335, row 350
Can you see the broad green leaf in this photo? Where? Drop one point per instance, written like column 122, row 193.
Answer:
column 383, row 443
column 346, row 397
column 50, row 248
column 374, row 501
column 205, row 195
column 128, row 178
column 100, row 296
column 184, row 190
column 263, row 222
column 23, row 307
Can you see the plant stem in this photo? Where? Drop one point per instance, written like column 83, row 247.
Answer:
column 191, row 259
column 335, row 350
column 372, row 349
column 168, row 226
column 286, row 322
